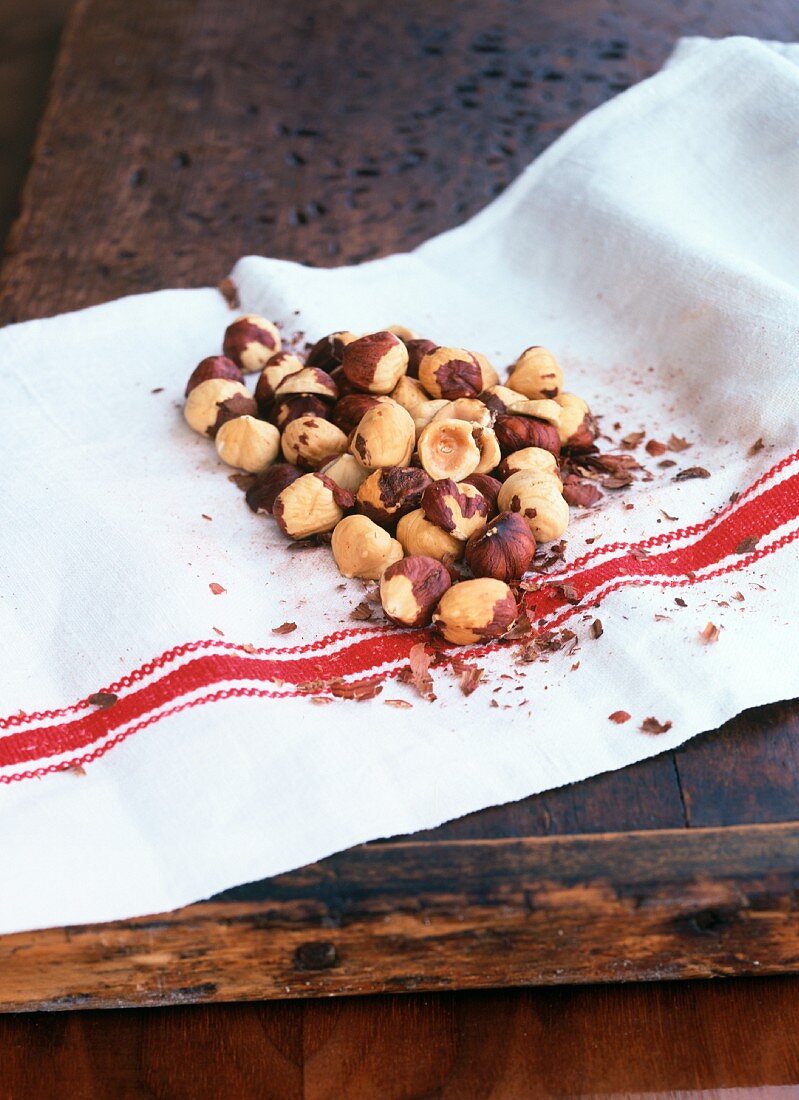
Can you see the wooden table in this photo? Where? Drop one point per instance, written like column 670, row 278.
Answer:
column 195, row 148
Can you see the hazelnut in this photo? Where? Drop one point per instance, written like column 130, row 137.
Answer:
column 388, row 493
column 411, row 588
column 384, row 437
column 488, row 445
column 309, row 380
column 250, row 341
column 310, row 505
column 292, row 408
column 263, row 493
column 475, row 611
column 578, row 429
column 454, row 372
column 500, row 399
column 276, row 369
column 488, row 486
column 536, row 373
column 309, row 441
column 212, row 403
column 362, row 549
column 425, row 413
column 417, row 349
column 543, row 408
column 528, row 458
column 215, row 366
column 459, row 509
column 375, row 363
column 419, row 536
column 346, row 471
column 350, row 410
column 502, row 549
column 517, row 432
column 447, row 448
column 469, row 409
column 248, row 444
column 405, row 334
column 409, row 393
column 327, row 352
column 537, row 498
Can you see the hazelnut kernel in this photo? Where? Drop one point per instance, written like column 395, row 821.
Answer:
column 248, row 444
column 309, row 506
column 502, row 549
column 351, row 409
column 309, row 441
column 250, row 341
column 375, row 363
column 212, row 403
column 475, row 611
column 214, row 366
column 419, row 536
column 346, row 472
column 390, row 492
column 469, row 409
column 543, row 408
column 411, row 588
column 417, row 349
column 488, row 486
column 447, row 449
column 425, row 413
column 277, row 368
column 490, row 452
column 538, row 500
column 409, row 393
column 309, row 380
column 327, row 352
column 454, row 372
column 516, row 432
column 500, row 399
column 536, row 373
column 384, row 437
column 405, row 334
column 362, row 549
column 528, row 458
column 261, row 496
column 578, row 429
column 459, row 509
column 287, row 409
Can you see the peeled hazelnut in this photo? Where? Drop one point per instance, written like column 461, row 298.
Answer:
column 362, row 549
column 447, row 449
column 490, row 452
column 309, row 506
column 417, row 349
column 350, row 410
column 248, row 444
column 502, row 549
column 250, row 341
column 411, row 588
column 578, row 429
column 384, row 437
column 409, row 393
column 528, row 458
column 459, row 509
column 538, row 500
column 375, row 363
column 327, row 352
column 536, row 373
column 475, row 611
column 466, row 408
column 499, row 399
column 405, row 334
column 517, row 432
column 292, row 408
column 309, row 441
column 276, row 369
column 488, row 486
column 215, row 366
column 261, row 496
column 419, row 536
column 309, row 380
column 387, row 494
column 543, row 408
column 454, row 372
column 425, row 413
column 346, row 472
column 212, row 403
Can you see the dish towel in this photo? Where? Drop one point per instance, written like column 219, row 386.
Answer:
column 655, row 247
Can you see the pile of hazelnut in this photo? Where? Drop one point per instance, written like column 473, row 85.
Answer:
column 408, row 456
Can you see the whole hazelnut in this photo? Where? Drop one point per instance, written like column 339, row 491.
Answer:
column 287, row 409
column 536, row 373
column 537, row 498
column 500, row 399
column 459, row 509
column 425, row 414
column 309, row 380
column 543, row 408
column 516, row 432
column 469, row 409
column 311, row 505
column 475, row 611
column 528, row 458
column 327, row 352
column 362, row 549
column 375, row 363
column 349, row 411
column 250, row 341
column 248, row 444
column 447, row 448
column 409, row 393
column 488, row 486
column 454, row 372
column 417, row 349
column 346, row 471
column 578, row 429
column 419, row 536
column 384, row 437
column 502, row 549
column 490, row 452
column 309, row 441
column 405, row 334
column 263, row 493
column 388, row 493
column 411, row 588
column 215, row 366
column 212, row 403
column 277, row 368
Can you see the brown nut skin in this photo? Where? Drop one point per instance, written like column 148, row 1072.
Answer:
column 500, row 399
column 390, row 493
column 536, row 373
column 311, row 505
column 248, row 443
column 326, row 353
column 411, row 588
column 447, row 448
column 385, row 436
column 277, row 368
column 292, row 408
column 214, row 366
column 537, row 498
column 459, row 509
column 250, row 341
column 375, row 363
column 578, row 429
column 502, row 549
column 308, row 380
column 210, row 404
column 310, row 441
column 419, row 536
column 263, row 493
column 417, row 349
column 350, row 410
column 528, row 458
column 475, row 611
column 454, row 372
column 516, row 432
column 362, row 549
column 488, row 486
